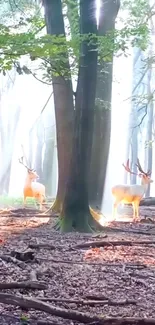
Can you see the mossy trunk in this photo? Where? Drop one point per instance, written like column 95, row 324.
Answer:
column 75, row 212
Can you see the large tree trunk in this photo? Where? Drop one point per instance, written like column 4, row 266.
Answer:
column 75, row 212
column 102, row 127
column 63, row 102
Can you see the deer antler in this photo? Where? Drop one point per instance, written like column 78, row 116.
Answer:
column 21, row 161
column 127, row 168
column 141, row 170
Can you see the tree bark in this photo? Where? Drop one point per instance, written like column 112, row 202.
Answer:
column 75, row 212
column 63, row 102
column 102, row 128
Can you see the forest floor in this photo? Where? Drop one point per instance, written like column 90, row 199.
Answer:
column 75, row 278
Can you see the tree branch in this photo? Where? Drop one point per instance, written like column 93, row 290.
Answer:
column 30, row 303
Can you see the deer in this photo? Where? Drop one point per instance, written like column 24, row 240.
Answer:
column 131, row 193
column 31, row 188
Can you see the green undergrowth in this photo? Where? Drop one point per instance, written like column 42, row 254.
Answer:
column 9, row 201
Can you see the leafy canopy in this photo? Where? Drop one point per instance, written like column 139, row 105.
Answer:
column 23, row 32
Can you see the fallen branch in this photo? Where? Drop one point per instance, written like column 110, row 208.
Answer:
column 29, row 303
column 133, row 266
column 41, row 245
column 91, row 302
column 114, row 243
column 24, row 257
column 23, row 285
column 11, row 259
column 132, row 231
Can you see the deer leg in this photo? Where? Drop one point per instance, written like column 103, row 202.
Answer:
column 134, row 210
column 115, row 205
column 24, row 201
column 136, row 216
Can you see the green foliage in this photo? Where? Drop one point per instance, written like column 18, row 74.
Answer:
column 26, row 36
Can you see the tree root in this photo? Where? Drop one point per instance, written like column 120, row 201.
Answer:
column 113, row 243
column 28, row 303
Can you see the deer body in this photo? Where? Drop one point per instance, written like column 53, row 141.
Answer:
column 31, row 188
column 131, row 193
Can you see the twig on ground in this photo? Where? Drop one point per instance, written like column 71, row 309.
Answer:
column 132, row 231
column 23, row 256
column 29, row 303
column 42, row 245
column 114, row 243
column 11, row 259
column 133, row 266
column 90, row 302
column 23, row 285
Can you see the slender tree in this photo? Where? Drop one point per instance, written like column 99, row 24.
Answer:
column 63, row 100
column 102, row 127
column 75, row 212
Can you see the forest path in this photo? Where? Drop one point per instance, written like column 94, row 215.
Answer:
column 111, row 280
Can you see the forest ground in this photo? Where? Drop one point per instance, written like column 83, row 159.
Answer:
column 111, row 280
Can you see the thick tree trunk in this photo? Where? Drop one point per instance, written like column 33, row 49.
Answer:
column 75, row 212
column 102, row 129
column 47, row 165
column 63, row 102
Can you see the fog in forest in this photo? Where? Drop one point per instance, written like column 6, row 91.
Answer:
column 28, row 126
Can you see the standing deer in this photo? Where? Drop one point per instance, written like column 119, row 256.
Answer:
column 131, row 193
column 32, row 189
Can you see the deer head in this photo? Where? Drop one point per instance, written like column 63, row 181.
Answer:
column 31, row 172
column 144, row 175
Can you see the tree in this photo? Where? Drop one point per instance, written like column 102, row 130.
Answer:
column 8, row 126
column 75, row 212
column 102, row 126
column 63, row 99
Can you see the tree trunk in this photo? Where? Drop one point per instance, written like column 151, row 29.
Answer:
column 63, row 102
column 7, row 139
column 149, row 127
column 39, row 150
column 75, row 212
column 102, row 129
column 47, row 165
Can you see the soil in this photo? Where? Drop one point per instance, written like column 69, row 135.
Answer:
column 110, row 281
